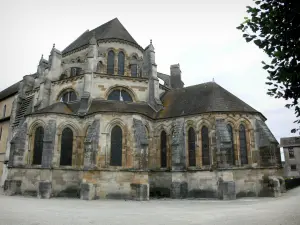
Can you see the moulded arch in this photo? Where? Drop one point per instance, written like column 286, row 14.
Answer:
column 122, row 87
column 75, row 129
column 65, row 90
column 113, row 123
column 35, row 124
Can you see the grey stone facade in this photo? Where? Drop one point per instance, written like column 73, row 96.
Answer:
column 103, row 113
column 291, row 150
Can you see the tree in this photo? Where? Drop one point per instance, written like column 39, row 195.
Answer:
column 274, row 26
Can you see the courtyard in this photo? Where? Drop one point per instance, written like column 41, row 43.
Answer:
column 18, row 210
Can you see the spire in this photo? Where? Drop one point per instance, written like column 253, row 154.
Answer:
column 53, row 45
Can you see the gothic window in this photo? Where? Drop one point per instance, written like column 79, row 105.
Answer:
column 291, row 153
column 68, row 96
column 110, row 62
column 66, row 149
column 38, row 146
column 4, row 111
column 192, row 147
column 243, row 145
column 75, row 71
column 133, row 68
column 116, row 146
column 230, row 155
column 121, row 63
column 120, row 95
column 205, row 146
column 163, row 149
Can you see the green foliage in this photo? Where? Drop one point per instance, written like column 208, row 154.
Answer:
column 274, row 26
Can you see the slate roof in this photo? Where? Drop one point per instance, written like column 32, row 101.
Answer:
column 113, row 29
column 11, row 90
column 201, row 98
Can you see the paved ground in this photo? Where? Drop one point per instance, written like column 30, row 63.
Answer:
column 19, row 210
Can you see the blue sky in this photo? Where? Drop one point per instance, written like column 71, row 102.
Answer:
column 200, row 35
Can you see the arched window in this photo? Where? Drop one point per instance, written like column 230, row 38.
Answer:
column 163, row 149
column 205, row 146
column 66, row 149
column 231, row 156
column 243, row 145
column 4, row 111
column 116, row 146
column 192, row 147
column 68, row 96
column 38, row 146
column 120, row 95
column 133, row 68
column 121, row 63
column 110, row 62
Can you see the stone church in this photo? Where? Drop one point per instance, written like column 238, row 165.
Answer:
column 95, row 122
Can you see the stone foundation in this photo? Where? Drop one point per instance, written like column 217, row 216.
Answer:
column 140, row 185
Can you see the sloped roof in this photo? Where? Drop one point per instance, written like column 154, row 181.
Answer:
column 201, row 98
column 11, row 90
column 113, row 29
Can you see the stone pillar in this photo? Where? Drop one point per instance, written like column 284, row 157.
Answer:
column 91, row 145
column 87, row 191
column 17, row 150
column 179, row 186
column 178, row 146
column 48, row 145
column 44, row 189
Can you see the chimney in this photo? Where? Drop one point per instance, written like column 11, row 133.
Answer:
column 175, row 78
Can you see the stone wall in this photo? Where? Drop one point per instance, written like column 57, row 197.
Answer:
column 73, row 183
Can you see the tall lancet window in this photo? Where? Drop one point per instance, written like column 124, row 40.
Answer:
column 231, row 155
column 163, row 149
column 205, row 146
column 66, row 150
column 110, row 62
column 243, row 145
column 120, row 95
column 38, row 146
column 121, row 63
column 133, row 68
column 116, row 146
column 192, row 147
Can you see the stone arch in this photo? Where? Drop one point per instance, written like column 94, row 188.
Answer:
column 206, row 152
column 249, row 135
column 108, row 130
column 76, row 132
column 122, row 87
column 65, row 90
column 31, row 138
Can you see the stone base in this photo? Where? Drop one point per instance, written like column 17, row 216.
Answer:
column 179, row 190
column 12, row 187
column 87, row 191
column 270, row 187
column 227, row 190
column 44, row 189
column 140, row 192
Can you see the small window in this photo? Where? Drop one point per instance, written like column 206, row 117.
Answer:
column 75, row 71
column 291, row 153
column 133, row 68
column 4, row 110
column 120, row 95
column 293, row 167
column 68, row 97
column 0, row 133
column 110, row 62
column 121, row 63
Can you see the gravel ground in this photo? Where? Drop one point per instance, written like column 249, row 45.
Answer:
column 17, row 210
